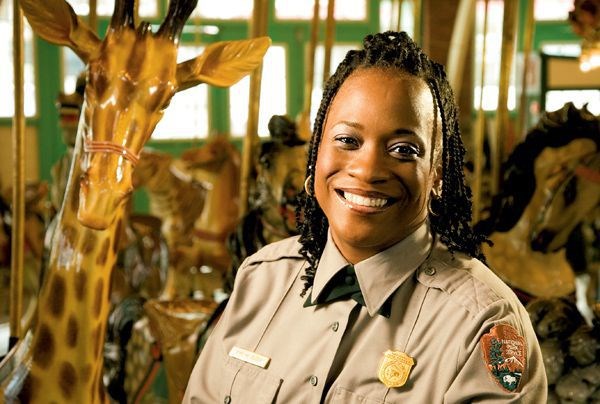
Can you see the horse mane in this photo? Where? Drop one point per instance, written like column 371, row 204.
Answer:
column 555, row 129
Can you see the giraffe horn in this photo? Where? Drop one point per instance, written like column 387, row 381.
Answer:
column 179, row 12
column 123, row 14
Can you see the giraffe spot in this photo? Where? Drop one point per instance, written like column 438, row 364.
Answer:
column 88, row 244
column 75, row 201
column 26, row 394
column 67, row 379
column 86, row 373
column 103, row 253
column 98, row 298
column 57, row 291
column 72, row 331
column 80, row 285
column 115, row 246
column 43, row 349
column 69, row 235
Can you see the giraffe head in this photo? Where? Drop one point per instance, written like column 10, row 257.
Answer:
column 132, row 74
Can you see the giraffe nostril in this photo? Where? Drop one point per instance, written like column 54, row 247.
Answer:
column 542, row 240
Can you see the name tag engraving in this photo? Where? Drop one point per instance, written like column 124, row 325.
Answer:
column 249, row 357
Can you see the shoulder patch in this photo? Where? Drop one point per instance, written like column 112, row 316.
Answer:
column 504, row 354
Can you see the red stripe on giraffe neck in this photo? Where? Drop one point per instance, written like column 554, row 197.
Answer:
column 101, row 146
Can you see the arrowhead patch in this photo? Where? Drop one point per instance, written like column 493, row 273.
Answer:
column 504, row 353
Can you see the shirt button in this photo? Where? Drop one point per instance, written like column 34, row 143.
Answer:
column 313, row 380
column 227, row 400
column 349, row 280
column 335, row 326
column 429, row 271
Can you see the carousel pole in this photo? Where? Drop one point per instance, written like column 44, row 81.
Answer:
column 417, row 35
column 398, row 13
column 527, row 45
column 93, row 15
column 506, row 60
column 329, row 38
column 479, row 129
column 258, row 27
column 459, row 44
column 18, row 194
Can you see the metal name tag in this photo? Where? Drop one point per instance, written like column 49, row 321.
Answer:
column 249, row 357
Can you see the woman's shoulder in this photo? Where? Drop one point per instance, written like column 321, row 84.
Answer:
column 467, row 281
column 288, row 248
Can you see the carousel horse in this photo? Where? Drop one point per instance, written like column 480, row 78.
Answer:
column 132, row 74
column 279, row 179
column 177, row 200
column 216, row 165
column 553, row 164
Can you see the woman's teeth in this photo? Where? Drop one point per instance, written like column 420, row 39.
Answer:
column 363, row 201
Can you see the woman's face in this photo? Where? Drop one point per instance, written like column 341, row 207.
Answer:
column 374, row 169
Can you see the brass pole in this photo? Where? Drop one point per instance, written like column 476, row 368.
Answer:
column 459, row 44
column 479, row 129
column 258, row 27
column 93, row 17
column 527, row 45
column 399, row 14
column 506, row 60
column 18, row 193
column 310, row 64
column 329, row 38
column 417, row 35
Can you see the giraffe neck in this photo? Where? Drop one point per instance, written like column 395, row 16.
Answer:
column 67, row 348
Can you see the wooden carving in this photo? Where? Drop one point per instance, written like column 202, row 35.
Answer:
column 131, row 76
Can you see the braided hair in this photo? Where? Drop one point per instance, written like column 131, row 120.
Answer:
column 450, row 216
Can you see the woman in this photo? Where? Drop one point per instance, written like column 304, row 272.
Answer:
column 382, row 298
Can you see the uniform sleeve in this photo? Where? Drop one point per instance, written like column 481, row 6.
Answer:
column 489, row 368
column 204, row 384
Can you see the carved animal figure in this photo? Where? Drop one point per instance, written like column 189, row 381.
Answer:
column 178, row 200
column 216, row 165
column 131, row 76
column 279, row 180
column 528, row 257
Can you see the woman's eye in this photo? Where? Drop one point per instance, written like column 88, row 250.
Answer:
column 347, row 141
column 404, row 150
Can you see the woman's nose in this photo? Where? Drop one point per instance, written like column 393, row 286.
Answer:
column 369, row 165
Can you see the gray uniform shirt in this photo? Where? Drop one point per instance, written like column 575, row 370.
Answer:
column 441, row 307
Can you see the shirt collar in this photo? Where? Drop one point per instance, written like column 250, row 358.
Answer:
column 381, row 274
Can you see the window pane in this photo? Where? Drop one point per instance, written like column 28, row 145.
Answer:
column 348, row 10
column 556, row 99
column 493, row 50
column 552, row 10
column 224, row 9
column 72, row 67
column 7, row 107
column 338, row 52
column 187, row 115
column 388, row 16
column 273, row 94
column 147, row 8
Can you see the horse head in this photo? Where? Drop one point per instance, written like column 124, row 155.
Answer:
column 280, row 178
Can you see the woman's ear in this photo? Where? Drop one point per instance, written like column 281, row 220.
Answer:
column 436, row 188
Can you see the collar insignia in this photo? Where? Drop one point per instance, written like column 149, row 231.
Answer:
column 394, row 368
column 504, row 353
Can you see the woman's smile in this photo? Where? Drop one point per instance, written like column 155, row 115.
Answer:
column 365, row 202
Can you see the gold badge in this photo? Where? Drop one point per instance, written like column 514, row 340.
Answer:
column 395, row 368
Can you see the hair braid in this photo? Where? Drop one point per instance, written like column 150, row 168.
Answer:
column 452, row 211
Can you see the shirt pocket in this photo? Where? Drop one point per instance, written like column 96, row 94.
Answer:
column 246, row 383
column 341, row 395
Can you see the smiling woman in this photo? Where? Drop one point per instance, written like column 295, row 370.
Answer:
column 383, row 297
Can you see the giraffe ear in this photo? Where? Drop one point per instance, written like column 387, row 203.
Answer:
column 56, row 22
column 222, row 64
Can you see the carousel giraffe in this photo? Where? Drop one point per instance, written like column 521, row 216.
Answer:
column 131, row 76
